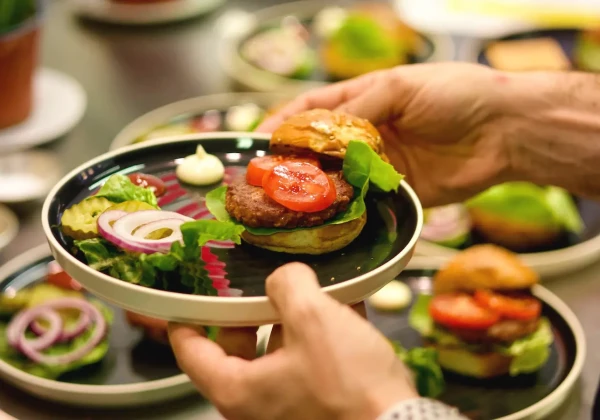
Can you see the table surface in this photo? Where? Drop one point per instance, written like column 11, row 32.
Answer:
column 130, row 71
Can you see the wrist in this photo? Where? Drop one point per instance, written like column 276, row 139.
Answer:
column 379, row 400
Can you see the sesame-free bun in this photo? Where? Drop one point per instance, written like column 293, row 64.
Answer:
column 325, row 132
column 484, row 267
column 315, row 241
column 514, row 234
column 475, row 365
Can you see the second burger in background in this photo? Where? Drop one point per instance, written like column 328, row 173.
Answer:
column 309, row 196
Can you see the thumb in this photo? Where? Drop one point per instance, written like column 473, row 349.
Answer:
column 296, row 294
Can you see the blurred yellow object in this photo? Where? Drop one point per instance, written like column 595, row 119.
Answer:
column 548, row 13
column 527, row 55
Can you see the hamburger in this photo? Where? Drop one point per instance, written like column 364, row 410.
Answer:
column 482, row 318
column 521, row 216
column 307, row 197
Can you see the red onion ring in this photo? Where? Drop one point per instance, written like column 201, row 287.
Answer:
column 21, row 322
column 148, row 228
column 445, row 223
column 67, row 334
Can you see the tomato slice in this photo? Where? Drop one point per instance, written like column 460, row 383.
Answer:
column 151, row 182
column 259, row 166
column 299, row 186
column 58, row 277
column 522, row 308
column 461, row 311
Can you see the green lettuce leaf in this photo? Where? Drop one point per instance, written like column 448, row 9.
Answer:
column 427, row 372
column 362, row 168
column 362, row 37
column 181, row 269
column 521, row 201
column 587, row 55
column 16, row 359
column 119, row 188
column 529, row 353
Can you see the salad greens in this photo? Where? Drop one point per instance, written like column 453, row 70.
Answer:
column 119, row 188
column 363, row 168
column 362, row 37
column 587, row 54
column 529, row 353
column 14, row 12
column 422, row 361
column 32, row 297
column 522, row 201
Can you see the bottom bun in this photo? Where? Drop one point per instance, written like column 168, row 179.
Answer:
column 476, row 365
column 512, row 234
column 315, row 241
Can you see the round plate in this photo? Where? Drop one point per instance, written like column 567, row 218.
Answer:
column 143, row 14
column 505, row 398
column 28, row 175
column 134, row 371
column 58, row 105
column 350, row 275
column 237, row 27
column 192, row 107
column 9, row 226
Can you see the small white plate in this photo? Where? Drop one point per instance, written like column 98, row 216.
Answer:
column 27, row 176
column 200, row 104
column 9, row 226
column 143, row 14
column 59, row 104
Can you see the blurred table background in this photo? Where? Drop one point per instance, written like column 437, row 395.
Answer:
column 128, row 71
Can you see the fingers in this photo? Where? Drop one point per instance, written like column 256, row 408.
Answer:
column 275, row 339
column 361, row 309
column 328, row 97
column 296, row 294
column 239, row 342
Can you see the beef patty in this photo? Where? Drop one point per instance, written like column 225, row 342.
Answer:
column 252, row 207
column 504, row 331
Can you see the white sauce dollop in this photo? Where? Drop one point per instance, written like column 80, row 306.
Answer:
column 328, row 21
column 394, row 296
column 200, row 169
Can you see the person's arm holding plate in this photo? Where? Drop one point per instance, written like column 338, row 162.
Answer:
column 455, row 129
column 333, row 363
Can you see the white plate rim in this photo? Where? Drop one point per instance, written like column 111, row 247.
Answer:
column 260, row 304
column 551, row 401
column 238, row 69
column 144, row 14
column 16, row 376
column 161, row 115
column 12, row 229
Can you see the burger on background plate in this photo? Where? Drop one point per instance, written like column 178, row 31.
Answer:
column 482, row 318
column 308, row 197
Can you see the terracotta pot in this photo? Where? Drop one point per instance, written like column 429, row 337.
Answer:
column 18, row 61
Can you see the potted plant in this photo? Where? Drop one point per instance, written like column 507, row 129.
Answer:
column 19, row 34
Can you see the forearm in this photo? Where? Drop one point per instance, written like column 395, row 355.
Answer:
column 552, row 129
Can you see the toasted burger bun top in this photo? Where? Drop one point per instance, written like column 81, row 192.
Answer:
column 326, row 132
column 484, row 267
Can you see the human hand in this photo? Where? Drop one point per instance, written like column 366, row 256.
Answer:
column 442, row 124
column 333, row 363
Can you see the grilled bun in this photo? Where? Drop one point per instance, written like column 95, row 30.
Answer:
column 513, row 234
column 315, row 241
column 484, row 267
column 476, row 365
column 325, row 132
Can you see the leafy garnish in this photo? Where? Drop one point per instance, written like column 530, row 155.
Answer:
column 529, row 203
column 529, row 353
column 362, row 168
column 362, row 37
column 427, row 372
column 119, row 188
column 181, row 269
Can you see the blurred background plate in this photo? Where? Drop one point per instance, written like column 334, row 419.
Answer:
column 9, row 226
column 59, row 102
column 134, row 372
column 532, row 396
column 185, row 117
column 237, row 28
column 143, row 14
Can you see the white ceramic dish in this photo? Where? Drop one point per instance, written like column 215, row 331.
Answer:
column 58, row 105
column 143, row 14
column 207, row 310
column 120, row 395
column 162, row 115
column 237, row 26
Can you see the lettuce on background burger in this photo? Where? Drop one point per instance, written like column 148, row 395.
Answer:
column 308, row 197
column 482, row 317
